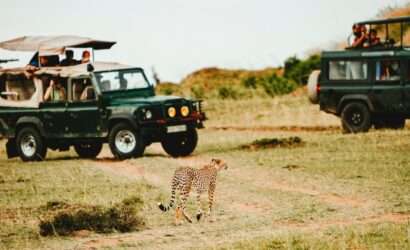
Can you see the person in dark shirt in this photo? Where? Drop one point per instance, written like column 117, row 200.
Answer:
column 69, row 59
column 374, row 40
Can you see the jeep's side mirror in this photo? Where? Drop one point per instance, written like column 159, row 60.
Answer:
column 90, row 67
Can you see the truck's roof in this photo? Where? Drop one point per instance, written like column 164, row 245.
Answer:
column 366, row 53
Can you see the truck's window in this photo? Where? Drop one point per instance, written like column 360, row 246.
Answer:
column 83, row 90
column 388, row 70
column 347, row 70
column 17, row 88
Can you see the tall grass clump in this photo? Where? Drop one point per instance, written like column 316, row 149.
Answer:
column 64, row 219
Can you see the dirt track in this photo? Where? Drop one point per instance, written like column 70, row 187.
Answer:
column 224, row 230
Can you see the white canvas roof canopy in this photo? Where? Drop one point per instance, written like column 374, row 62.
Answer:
column 66, row 71
column 51, row 45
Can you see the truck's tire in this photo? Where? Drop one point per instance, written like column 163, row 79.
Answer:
column 312, row 87
column 30, row 145
column 88, row 150
column 356, row 118
column 181, row 144
column 125, row 142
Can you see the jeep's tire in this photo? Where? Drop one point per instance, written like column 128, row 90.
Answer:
column 356, row 118
column 88, row 150
column 30, row 145
column 313, row 81
column 125, row 142
column 181, row 144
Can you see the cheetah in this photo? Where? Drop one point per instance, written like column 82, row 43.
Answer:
column 200, row 180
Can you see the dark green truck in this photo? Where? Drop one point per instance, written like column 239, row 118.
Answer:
column 367, row 86
column 106, row 103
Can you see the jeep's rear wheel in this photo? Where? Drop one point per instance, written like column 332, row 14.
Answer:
column 181, row 144
column 356, row 118
column 88, row 150
column 125, row 142
column 30, row 145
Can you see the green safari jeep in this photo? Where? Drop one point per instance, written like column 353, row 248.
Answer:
column 367, row 86
column 104, row 103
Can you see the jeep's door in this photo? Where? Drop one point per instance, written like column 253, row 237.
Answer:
column 387, row 91
column 53, row 110
column 85, row 117
column 406, row 89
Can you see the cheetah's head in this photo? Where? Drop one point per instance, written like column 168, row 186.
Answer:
column 219, row 164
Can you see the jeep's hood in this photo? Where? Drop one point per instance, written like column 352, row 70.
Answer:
column 145, row 100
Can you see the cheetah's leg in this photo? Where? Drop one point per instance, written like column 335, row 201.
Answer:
column 184, row 198
column 177, row 216
column 199, row 212
column 210, row 201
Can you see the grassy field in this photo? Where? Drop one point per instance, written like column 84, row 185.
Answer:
column 335, row 191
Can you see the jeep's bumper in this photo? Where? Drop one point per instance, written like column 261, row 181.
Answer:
column 156, row 130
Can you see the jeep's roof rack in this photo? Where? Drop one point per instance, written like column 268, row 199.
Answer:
column 391, row 42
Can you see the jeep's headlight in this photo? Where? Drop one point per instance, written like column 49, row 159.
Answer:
column 172, row 112
column 148, row 114
column 184, row 111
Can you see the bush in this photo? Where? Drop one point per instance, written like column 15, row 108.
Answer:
column 275, row 85
column 65, row 219
column 227, row 92
column 198, row 91
column 250, row 82
column 299, row 70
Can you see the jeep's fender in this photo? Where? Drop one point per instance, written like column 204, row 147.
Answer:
column 349, row 98
column 33, row 121
column 122, row 118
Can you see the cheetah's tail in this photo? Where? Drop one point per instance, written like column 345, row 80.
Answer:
column 163, row 207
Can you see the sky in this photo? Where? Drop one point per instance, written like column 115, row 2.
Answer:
column 177, row 37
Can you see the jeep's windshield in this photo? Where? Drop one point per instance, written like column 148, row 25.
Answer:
column 122, row 80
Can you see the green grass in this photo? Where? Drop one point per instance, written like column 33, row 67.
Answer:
column 334, row 191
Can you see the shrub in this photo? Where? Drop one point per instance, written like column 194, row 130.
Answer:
column 227, row 92
column 66, row 219
column 250, row 82
column 275, row 85
column 198, row 91
column 299, row 70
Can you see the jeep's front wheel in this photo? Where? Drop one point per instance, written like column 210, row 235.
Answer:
column 181, row 144
column 88, row 150
column 356, row 118
column 125, row 142
column 30, row 145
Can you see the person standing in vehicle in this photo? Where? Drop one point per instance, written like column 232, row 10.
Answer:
column 69, row 59
column 360, row 36
column 55, row 91
column 86, row 56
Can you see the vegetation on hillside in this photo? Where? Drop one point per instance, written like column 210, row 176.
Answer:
column 215, row 83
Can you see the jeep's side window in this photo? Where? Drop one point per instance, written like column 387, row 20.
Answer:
column 55, row 89
column 347, row 70
column 16, row 88
column 83, row 90
column 388, row 70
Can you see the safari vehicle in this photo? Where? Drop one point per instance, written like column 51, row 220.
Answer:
column 105, row 103
column 367, row 86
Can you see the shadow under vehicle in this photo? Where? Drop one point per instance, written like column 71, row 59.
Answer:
column 104, row 103
column 368, row 85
